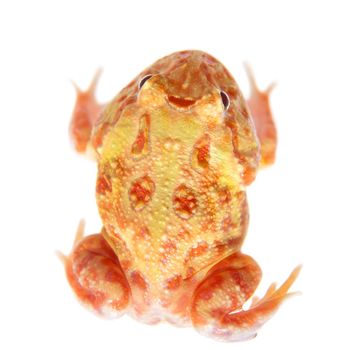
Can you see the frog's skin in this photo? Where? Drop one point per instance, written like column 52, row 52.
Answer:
column 175, row 150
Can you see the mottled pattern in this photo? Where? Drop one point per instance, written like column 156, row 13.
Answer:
column 175, row 150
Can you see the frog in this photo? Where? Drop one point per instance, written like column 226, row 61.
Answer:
column 175, row 150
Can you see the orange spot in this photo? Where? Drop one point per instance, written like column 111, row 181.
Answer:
column 137, row 280
column 169, row 249
column 201, row 248
column 184, row 202
column 169, row 246
column 201, row 153
column 141, row 192
column 141, row 145
column 103, row 184
column 173, row 282
column 224, row 196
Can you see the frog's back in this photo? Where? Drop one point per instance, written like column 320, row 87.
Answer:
column 170, row 189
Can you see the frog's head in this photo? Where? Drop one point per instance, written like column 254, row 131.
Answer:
column 193, row 84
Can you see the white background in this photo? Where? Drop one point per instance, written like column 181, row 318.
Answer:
column 299, row 207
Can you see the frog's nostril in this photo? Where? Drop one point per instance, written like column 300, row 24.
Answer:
column 180, row 102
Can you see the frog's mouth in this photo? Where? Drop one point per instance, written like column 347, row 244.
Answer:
column 180, row 102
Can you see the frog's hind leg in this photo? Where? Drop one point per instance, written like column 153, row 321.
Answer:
column 95, row 275
column 259, row 106
column 217, row 302
column 85, row 114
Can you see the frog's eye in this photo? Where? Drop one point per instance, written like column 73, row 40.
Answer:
column 144, row 79
column 225, row 100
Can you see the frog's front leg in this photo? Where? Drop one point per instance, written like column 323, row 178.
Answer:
column 85, row 114
column 259, row 106
column 95, row 275
column 217, row 302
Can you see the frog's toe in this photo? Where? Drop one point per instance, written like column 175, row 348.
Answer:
column 217, row 307
column 85, row 114
column 259, row 106
column 95, row 275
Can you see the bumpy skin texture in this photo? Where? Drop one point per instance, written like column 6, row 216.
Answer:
column 175, row 150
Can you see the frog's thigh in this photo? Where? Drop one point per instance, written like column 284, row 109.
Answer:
column 259, row 106
column 95, row 275
column 216, row 309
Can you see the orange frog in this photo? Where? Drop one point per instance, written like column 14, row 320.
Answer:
column 175, row 150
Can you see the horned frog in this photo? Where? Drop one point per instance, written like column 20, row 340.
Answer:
column 175, row 149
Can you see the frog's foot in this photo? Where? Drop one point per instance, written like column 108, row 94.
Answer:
column 259, row 106
column 94, row 273
column 216, row 309
column 86, row 112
